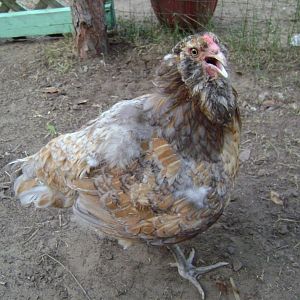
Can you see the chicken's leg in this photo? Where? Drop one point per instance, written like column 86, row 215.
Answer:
column 188, row 271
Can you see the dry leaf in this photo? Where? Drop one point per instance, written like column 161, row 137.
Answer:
column 245, row 155
column 51, row 90
column 222, row 286
column 81, row 102
column 269, row 103
column 275, row 198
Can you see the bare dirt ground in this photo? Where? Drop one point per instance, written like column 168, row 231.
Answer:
column 42, row 250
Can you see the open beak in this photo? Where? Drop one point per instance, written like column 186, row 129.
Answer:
column 218, row 63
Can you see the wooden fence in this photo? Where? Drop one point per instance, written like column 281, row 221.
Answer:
column 7, row 5
column 47, row 17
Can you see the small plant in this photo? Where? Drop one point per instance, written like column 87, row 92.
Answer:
column 51, row 129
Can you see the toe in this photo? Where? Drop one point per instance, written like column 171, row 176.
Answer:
column 191, row 256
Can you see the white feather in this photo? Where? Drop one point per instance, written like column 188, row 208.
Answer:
column 197, row 195
column 34, row 195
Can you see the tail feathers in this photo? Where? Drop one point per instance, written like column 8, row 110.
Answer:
column 23, row 183
column 31, row 190
column 24, row 165
column 39, row 195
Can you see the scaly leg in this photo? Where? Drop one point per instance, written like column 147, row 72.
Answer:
column 188, row 271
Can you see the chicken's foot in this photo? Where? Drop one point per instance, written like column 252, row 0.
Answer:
column 188, row 271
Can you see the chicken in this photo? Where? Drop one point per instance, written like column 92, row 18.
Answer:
column 155, row 169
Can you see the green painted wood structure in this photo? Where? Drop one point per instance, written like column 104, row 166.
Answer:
column 42, row 21
column 6, row 5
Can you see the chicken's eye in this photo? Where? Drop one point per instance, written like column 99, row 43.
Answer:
column 194, row 52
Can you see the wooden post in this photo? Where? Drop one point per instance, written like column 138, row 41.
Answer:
column 90, row 29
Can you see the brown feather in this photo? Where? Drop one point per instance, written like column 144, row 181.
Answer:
column 26, row 185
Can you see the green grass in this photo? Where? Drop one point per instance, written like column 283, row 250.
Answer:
column 59, row 55
column 147, row 31
column 253, row 45
column 261, row 47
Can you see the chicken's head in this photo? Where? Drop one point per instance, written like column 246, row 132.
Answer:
column 201, row 58
column 196, row 72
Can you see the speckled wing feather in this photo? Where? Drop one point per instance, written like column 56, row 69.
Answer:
column 140, row 202
column 46, row 175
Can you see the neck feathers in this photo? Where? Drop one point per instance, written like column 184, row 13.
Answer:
column 194, row 119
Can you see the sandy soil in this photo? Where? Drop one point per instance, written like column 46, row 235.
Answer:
column 44, row 254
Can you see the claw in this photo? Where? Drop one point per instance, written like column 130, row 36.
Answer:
column 188, row 271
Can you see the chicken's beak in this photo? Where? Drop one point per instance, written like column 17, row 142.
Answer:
column 218, row 61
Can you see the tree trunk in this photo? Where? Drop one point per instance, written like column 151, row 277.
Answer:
column 90, row 28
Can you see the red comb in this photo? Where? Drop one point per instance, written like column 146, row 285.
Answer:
column 211, row 43
column 208, row 39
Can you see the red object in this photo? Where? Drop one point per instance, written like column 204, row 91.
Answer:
column 184, row 13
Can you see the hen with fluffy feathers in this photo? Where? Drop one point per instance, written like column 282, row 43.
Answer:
column 158, row 168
